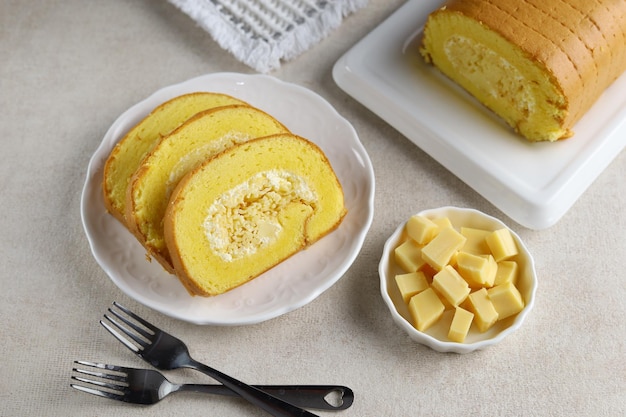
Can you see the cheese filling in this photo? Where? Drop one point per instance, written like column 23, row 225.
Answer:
column 245, row 218
column 490, row 72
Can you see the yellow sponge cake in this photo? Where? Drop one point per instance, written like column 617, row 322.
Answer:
column 202, row 136
column 137, row 143
column 540, row 65
column 247, row 209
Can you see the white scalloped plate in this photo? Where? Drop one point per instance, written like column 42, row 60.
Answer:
column 288, row 286
column 535, row 184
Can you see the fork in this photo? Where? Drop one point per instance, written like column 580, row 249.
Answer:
column 165, row 352
column 147, row 386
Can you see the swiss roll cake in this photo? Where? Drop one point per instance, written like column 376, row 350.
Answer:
column 249, row 208
column 538, row 64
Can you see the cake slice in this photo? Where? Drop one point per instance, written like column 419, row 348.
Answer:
column 540, row 65
column 248, row 209
column 128, row 153
column 199, row 138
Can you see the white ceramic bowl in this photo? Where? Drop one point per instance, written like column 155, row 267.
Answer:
column 436, row 336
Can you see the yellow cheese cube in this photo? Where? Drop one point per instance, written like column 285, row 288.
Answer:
column 452, row 261
column 485, row 314
column 506, row 299
column 409, row 256
column 501, row 244
column 493, row 270
column 425, row 308
column 442, row 222
column 478, row 270
column 421, row 229
column 461, row 322
column 438, row 252
column 506, row 272
column 410, row 284
column 451, row 285
column 475, row 243
column 446, row 304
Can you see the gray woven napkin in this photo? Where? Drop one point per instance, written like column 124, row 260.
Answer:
column 260, row 33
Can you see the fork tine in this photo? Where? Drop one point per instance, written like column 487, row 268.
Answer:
column 125, row 341
column 146, row 334
column 145, row 323
column 121, row 377
column 116, row 383
column 102, row 384
column 102, row 366
column 99, row 393
column 139, row 342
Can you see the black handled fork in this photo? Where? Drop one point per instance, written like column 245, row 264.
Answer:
column 165, row 352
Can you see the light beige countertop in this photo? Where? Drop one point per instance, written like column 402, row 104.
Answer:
column 70, row 68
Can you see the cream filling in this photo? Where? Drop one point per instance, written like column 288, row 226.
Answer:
column 244, row 219
column 491, row 73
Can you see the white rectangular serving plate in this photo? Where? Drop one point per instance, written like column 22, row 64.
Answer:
column 534, row 184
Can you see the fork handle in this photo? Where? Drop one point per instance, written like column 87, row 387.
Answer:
column 273, row 405
column 305, row 396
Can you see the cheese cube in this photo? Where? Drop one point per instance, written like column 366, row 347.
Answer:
column 446, row 304
column 452, row 261
column 410, row 284
column 425, row 308
column 506, row 272
column 475, row 243
column 409, row 256
column 478, row 270
column 485, row 314
column 493, row 270
column 501, row 244
column 506, row 299
column 461, row 322
column 451, row 285
column 421, row 229
column 442, row 222
column 438, row 252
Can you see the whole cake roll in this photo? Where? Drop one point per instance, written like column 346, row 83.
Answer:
column 538, row 64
